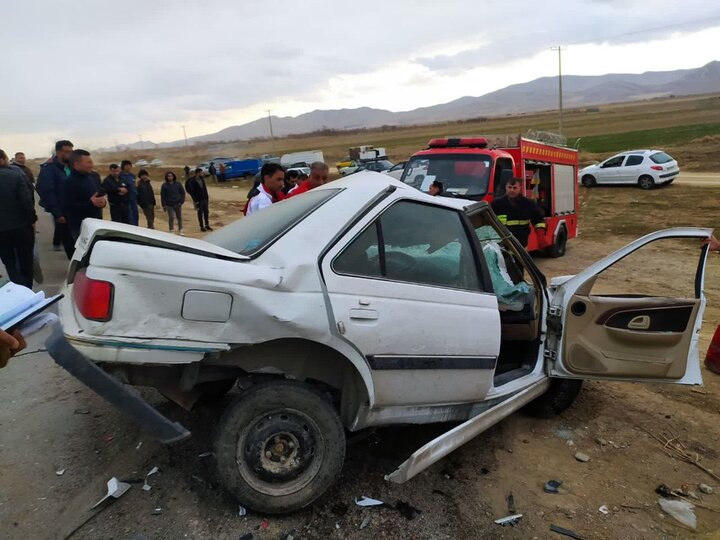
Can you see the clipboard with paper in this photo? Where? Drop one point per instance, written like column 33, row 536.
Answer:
column 22, row 309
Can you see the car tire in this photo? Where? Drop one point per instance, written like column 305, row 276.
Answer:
column 589, row 181
column 279, row 447
column 646, row 182
column 559, row 246
column 559, row 397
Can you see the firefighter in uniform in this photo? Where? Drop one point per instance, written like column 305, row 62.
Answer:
column 517, row 212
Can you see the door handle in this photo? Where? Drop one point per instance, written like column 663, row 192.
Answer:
column 641, row 322
column 363, row 314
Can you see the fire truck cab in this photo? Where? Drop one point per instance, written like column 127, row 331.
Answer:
column 478, row 169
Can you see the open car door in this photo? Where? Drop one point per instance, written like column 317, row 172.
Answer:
column 619, row 331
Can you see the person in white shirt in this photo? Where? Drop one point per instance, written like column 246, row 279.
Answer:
column 269, row 190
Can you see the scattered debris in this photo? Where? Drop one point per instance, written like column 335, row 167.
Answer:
column 570, row 443
column 707, row 490
column 673, row 447
column 665, row 491
column 583, row 458
column 365, row 522
column 509, row 520
column 115, row 489
column 146, row 486
column 81, row 411
column 552, row 486
column 511, row 503
column 337, row 526
column 564, row 433
column 156, row 512
column 242, row 511
column 108, row 438
column 682, row 511
column 138, row 445
column 205, row 455
column 604, row 509
column 60, row 472
column 698, row 391
column 367, row 501
column 565, row 532
column 264, row 523
column 407, row 510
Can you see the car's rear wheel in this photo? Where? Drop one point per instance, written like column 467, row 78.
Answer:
column 279, row 447
column 560, row 396
column 560, row 245
column 646, row 182
column 589, row 180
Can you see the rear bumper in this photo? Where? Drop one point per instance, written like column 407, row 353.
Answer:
column 123, row 397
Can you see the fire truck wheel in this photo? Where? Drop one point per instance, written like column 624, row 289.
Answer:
column 589, row 180
column 558, row 248
column 646, row 182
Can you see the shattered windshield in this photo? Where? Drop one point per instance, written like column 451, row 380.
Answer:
column 250, row 235
column 462, row 175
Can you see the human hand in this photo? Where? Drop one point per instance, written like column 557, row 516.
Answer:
column 98, row 201
column 9, row 345
column 122, row 191
column 713, row 242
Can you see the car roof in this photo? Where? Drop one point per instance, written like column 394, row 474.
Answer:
column 644, row 152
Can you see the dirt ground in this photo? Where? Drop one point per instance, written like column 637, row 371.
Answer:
column 50, row 422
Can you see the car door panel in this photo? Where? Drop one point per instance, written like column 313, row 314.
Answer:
column 627, row 337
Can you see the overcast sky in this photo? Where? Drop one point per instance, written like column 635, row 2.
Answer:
column 102, row 72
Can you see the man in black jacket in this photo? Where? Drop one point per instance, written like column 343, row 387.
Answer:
column 20, row 162
column 81, row 197
column 17, row 224
column 197, row 189
column 49, row 186
column 146, row 197
column 517, row 212
column 117, row 194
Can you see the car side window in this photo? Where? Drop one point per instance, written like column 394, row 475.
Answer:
column 613, row 162
column 633, row 160
column 413, row 243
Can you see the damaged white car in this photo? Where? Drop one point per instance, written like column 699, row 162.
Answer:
column 361, row 303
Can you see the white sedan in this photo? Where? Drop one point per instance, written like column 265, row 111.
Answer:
column 643, row 168
column 361, row 303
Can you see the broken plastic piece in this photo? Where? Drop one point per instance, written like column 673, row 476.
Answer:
column 157, row 511
column 205, row 454
column 115, row 489
column 682, row 511
column 138, row 445
column 242, row 511
column 146, row 486
column 60, row 472
column 509, row 520
column 552, row 486
column 265, row 524
column 365, row 522
column 367, row 501
column 604, row 509
column 565, row 532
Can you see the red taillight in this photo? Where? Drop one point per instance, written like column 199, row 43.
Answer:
column 93, row 297
column 712, row 358
column 656, row 168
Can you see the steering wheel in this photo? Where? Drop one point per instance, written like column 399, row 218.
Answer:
column 400, row 262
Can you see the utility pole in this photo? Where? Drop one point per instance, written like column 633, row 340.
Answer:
column 559, row 50
column 185, row 135
column 270, row 122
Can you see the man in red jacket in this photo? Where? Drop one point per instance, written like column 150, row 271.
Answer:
column 318, row 176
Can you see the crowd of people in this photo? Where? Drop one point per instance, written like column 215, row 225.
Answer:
column 70, row 190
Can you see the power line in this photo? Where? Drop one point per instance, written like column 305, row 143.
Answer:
column 647, row 30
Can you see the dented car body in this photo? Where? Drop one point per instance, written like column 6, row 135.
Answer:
column 361, row 303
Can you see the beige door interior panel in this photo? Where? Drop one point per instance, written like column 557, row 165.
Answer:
column 644, row 337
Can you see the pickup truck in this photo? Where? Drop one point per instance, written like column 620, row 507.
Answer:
column 361, row 303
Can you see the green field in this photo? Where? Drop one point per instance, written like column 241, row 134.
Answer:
column 647, row 138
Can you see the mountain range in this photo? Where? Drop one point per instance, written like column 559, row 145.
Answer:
column 536, row 95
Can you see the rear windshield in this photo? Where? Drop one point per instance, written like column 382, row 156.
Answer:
column 250, row 235
column 661, row 157
column 463, row 175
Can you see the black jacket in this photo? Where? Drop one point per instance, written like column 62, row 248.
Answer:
column 111, row 185
column 16, row 205
column 197, row 189
column 77, row 190
column 145, row 194
column 50, row 186
column 172, row 194
column 517, row 215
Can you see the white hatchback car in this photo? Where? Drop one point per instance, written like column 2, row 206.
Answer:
column 645, row 168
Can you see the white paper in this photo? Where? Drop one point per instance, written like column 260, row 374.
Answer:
column 367, row 501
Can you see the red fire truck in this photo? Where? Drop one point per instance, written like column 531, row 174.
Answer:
column 478, row 169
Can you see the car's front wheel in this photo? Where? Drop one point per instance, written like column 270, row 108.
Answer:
column 646, row 182
column 279, row 447
column 589, row 180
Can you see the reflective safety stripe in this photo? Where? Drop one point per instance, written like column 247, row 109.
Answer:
column 512, row 222
column 503, row 219
column 540, row 226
